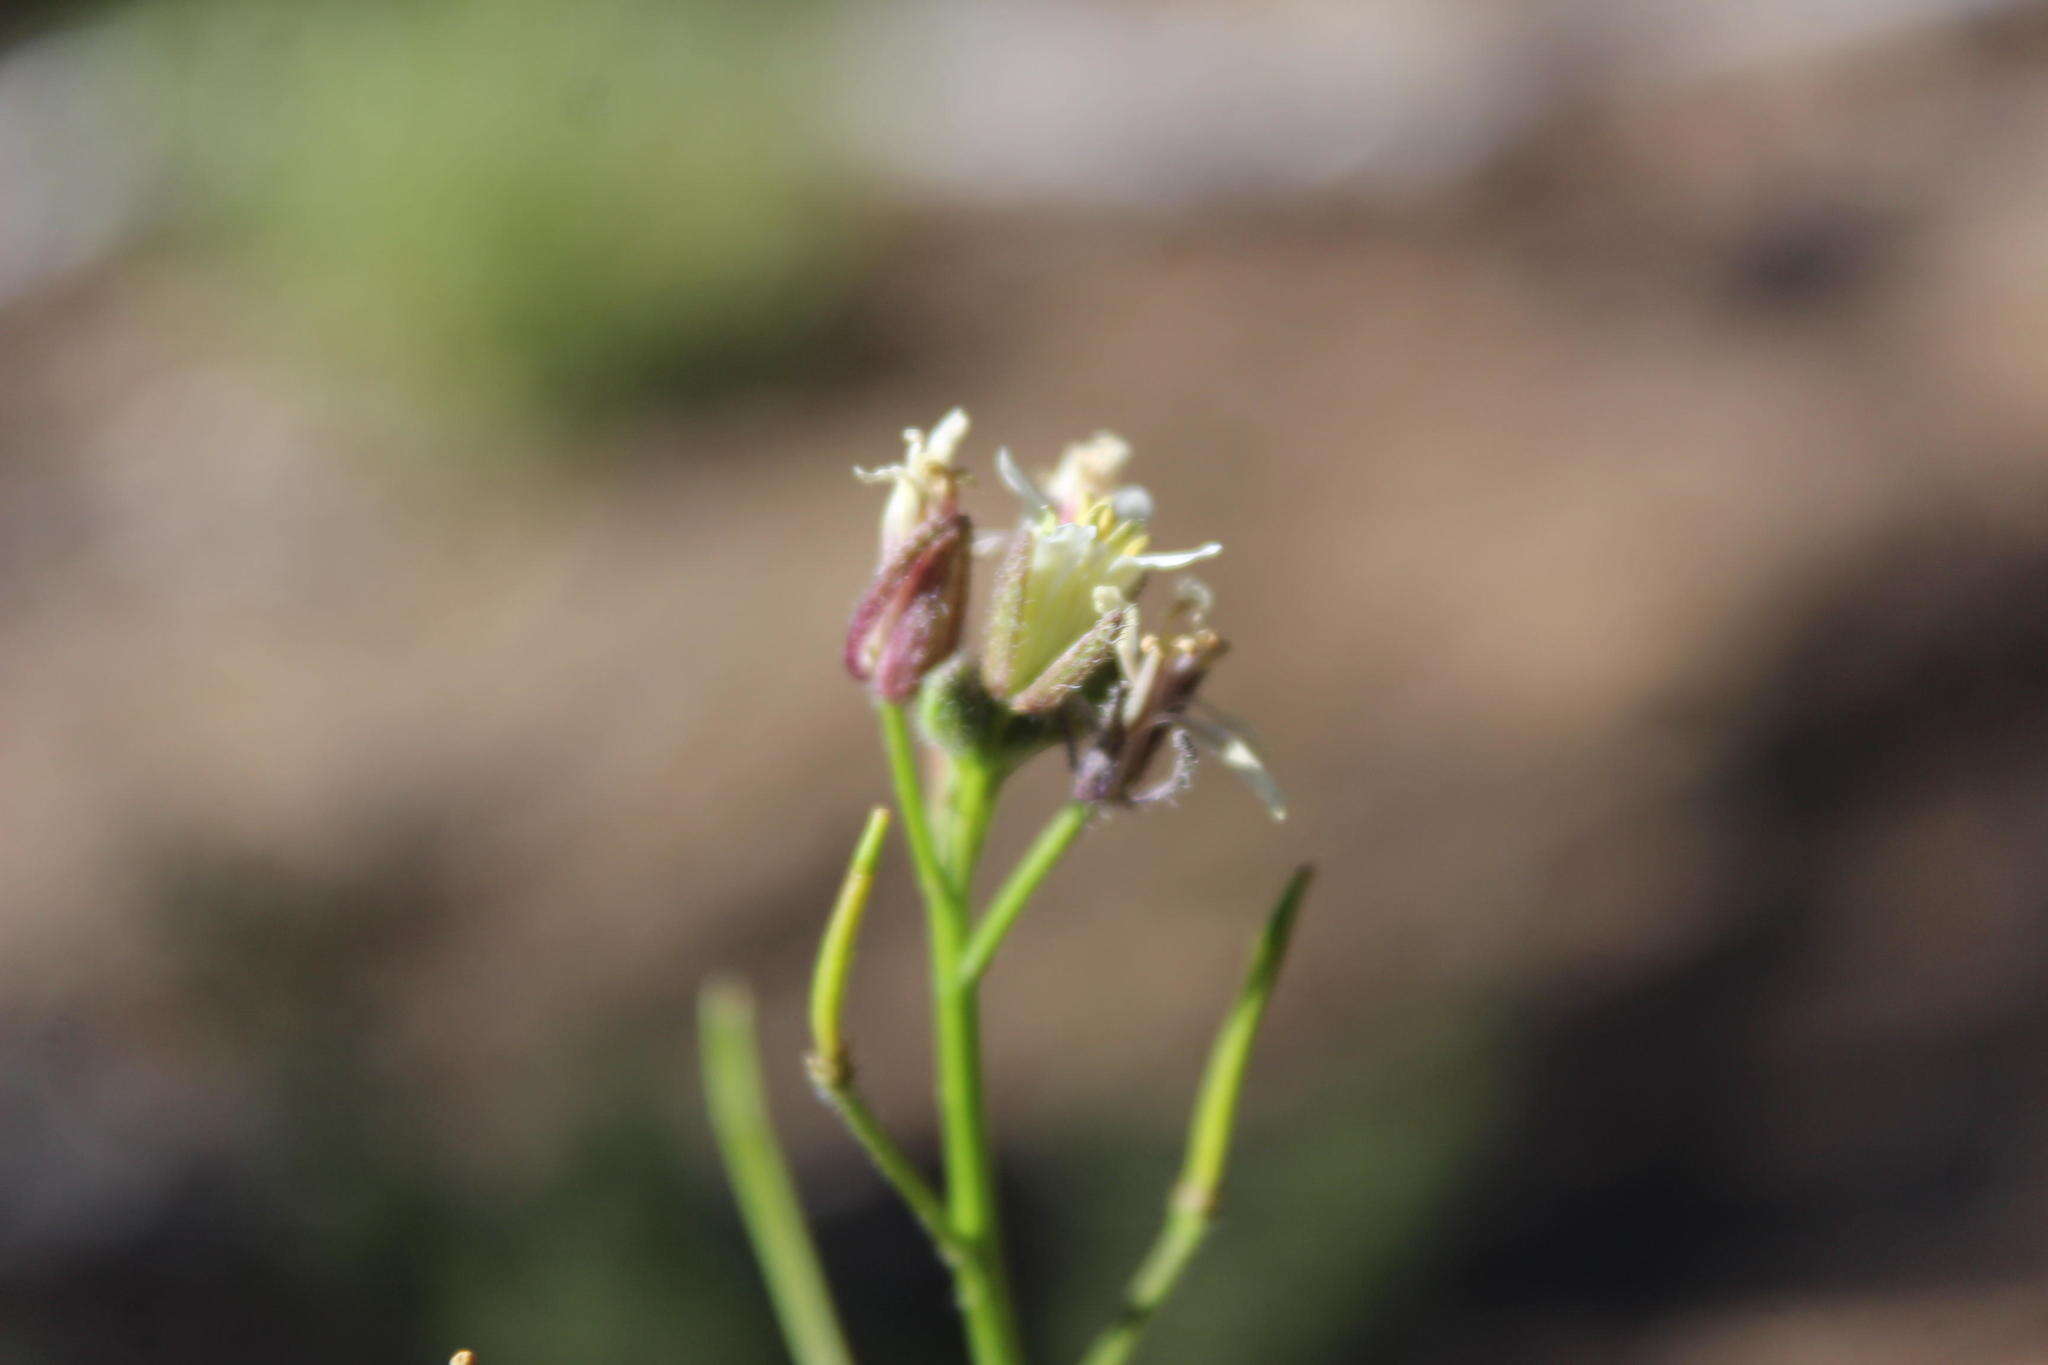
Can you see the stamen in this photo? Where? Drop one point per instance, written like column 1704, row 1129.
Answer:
column 1132, row 540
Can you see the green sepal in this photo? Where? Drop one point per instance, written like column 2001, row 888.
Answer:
column 1083, row 661
column 960, row 715
column 1005, row 630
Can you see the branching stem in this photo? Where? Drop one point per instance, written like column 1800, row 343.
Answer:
column 830, row 1062
column 1052, row 844
column 895, row 1165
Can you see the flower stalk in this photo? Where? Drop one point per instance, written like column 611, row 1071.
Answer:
column 981, row 1283
column 1060, row 834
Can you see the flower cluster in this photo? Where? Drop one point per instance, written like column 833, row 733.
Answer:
column 1064, row 653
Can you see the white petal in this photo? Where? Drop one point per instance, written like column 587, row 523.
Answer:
column 1103, row 455
column 1179, row 559
column 1219, row 719
column 1072, row 540
column 1234, row 753
column 945, row 437
column 1020, row 483
column 1089, row 469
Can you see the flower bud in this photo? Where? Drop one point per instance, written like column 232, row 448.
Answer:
column 1068, row 577
column 909, row 619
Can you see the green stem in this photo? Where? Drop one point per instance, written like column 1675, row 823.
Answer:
column 932, row 883
column 760, row 1178
column 1181, row 1237
column 981, row 1284
column 895, row 1165
column 970, row 1173
column 1192, row 1208
column 971, row 799
column 1052, row 844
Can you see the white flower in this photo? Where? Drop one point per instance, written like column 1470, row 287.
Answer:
column 1050, row 628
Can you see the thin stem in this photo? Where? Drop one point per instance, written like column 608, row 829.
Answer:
column 1179, row 1239
column 1052, row 844
column 1192, row 1208
column 835, row 950
column 970, row 1154
column 981, row 1285
column 917, row 829
column 895, row 1165
column 760, row 1178
column 971, row 798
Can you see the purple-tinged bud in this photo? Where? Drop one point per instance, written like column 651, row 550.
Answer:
column 908, row 622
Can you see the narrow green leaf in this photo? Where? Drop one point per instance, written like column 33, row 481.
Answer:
column 761, row 1183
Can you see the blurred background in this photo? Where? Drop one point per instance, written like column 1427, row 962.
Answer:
column 426, row 532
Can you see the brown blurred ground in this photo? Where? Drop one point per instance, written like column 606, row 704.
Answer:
column 1634, row 560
